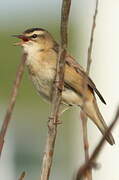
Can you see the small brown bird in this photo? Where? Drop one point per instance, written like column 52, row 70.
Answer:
column 42, row 53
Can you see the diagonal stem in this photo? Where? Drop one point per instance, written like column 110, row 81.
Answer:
column 22, row 176
column 91, row 162
column 12, row 102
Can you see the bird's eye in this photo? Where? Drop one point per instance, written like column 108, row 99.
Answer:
column 34, row 36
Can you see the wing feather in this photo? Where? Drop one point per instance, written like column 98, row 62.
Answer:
column 78, row 77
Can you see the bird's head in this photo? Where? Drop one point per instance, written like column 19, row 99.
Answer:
column 35, row 38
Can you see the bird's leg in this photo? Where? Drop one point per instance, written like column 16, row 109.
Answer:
column 63, row 108
column 57, row 120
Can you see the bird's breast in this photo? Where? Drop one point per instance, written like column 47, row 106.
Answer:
column 42, row 73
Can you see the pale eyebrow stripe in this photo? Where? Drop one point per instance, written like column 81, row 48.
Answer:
column 35, row 32
column 38, row 35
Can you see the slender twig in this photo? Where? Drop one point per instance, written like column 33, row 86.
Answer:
column 57, row 93
column 12, row 101
column 83, row 116
column 89, row 164
column 89, row 59
column 22, row 176
column 84, row 119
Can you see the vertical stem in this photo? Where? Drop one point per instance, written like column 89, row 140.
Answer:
column 57, row 94
column 86, row 143
column 83, row 116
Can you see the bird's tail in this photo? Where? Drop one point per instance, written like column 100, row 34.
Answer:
column 93, row 112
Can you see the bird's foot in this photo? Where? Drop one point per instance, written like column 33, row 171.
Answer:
column 56, row 120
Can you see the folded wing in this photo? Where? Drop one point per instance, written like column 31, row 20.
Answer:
column 78, row 76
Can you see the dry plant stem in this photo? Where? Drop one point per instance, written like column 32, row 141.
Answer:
column 57, row 94
column 84, row 124
column 66, row 4
column 22, row 176
column 83, row 117
column 91, row 162
column 89, row 59
column 12, row 102
column 52, row 133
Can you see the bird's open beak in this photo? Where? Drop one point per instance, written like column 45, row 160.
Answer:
column 23, row 38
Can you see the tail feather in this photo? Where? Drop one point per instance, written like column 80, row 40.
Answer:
column 93, row 112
